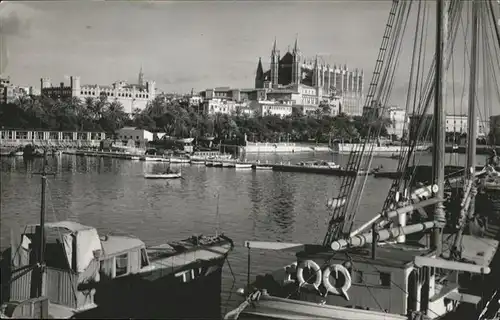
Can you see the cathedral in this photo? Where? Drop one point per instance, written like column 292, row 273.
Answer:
column 310, row 83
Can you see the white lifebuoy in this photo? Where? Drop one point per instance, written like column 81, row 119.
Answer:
column 341, row 291
column 300, row 274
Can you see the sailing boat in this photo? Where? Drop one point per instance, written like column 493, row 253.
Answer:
column 84, row 274
column 383, row 274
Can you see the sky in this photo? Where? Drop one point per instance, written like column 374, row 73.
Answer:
column 194, row 44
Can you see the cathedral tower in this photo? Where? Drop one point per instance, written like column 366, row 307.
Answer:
column 296, row 74
column 275, row 60
column 259, row 75
column 141, row 78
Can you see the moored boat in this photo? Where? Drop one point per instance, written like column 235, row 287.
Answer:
column 263, row 167
column 172, row 175
column 179, row 160
column 425, row 257
column 243, row 165
column 229, row 164
column 70, row 271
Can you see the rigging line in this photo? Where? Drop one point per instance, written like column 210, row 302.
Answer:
column 424, row 105
column 421, row 60
column 469, row 62
column 400, row 36
column 429, row 82
column 492, row 65
column 495, row 23
column 482, row 46
column 424, row 34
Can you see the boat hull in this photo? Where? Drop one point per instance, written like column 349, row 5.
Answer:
column 176, row 160
column 165, row 297
column 163, row 176
column 279, row 308
column 257, row 167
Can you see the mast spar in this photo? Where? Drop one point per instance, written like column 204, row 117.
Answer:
column 438, row 154
column 41, row 256
column 471, row 133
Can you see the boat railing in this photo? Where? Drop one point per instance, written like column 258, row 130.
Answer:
column 60, row 286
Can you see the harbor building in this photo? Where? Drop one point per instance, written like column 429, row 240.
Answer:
column 9, row 92
column 398, row 121
column 135, row 134
column 308, row 82
column 131, row 96
column 283, row 108
column 458, row 123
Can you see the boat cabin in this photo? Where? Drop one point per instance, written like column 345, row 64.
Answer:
column 76, row 259
column 387, row 281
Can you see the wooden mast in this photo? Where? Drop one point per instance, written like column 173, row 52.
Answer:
column 438, row 154
column 41, row 255
column 472, row 131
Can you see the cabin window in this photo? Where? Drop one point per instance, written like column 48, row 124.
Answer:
column 144, row 258
column 121, row 265
column 55, row 256
column 385, row 279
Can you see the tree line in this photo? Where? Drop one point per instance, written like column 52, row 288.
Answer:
column 177, row 118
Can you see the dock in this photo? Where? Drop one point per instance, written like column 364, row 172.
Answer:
column 313, row 169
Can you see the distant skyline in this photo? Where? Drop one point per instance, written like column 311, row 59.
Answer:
column 195, row 44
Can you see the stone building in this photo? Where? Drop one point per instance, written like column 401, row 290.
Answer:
column 131, row 96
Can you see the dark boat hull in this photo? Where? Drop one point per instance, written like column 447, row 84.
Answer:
column 166, row 298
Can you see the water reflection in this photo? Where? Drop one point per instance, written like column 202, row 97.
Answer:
column 282, row 206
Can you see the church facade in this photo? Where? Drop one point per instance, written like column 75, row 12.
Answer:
column 310, row 83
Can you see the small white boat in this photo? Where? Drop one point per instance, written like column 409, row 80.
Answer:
column 179, row 160
column 263, row 167
column 243, row 165
column 217, row 164
column 209, row 163
column 197, row 161
column 157, row 159
column 172, row 175
column 228, row 164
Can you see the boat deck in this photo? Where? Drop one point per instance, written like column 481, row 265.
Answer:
column 391, row 255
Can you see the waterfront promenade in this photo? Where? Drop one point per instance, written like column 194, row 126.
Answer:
column 63, row 139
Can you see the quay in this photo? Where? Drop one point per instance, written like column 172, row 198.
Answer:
column 313, row 169
column 275, row 167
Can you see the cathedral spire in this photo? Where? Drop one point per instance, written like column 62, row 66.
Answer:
column 296, row 46
column 141, row 77
column 274, row 47
column 260, row 70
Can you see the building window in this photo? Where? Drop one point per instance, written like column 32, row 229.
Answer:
column 121, row 265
